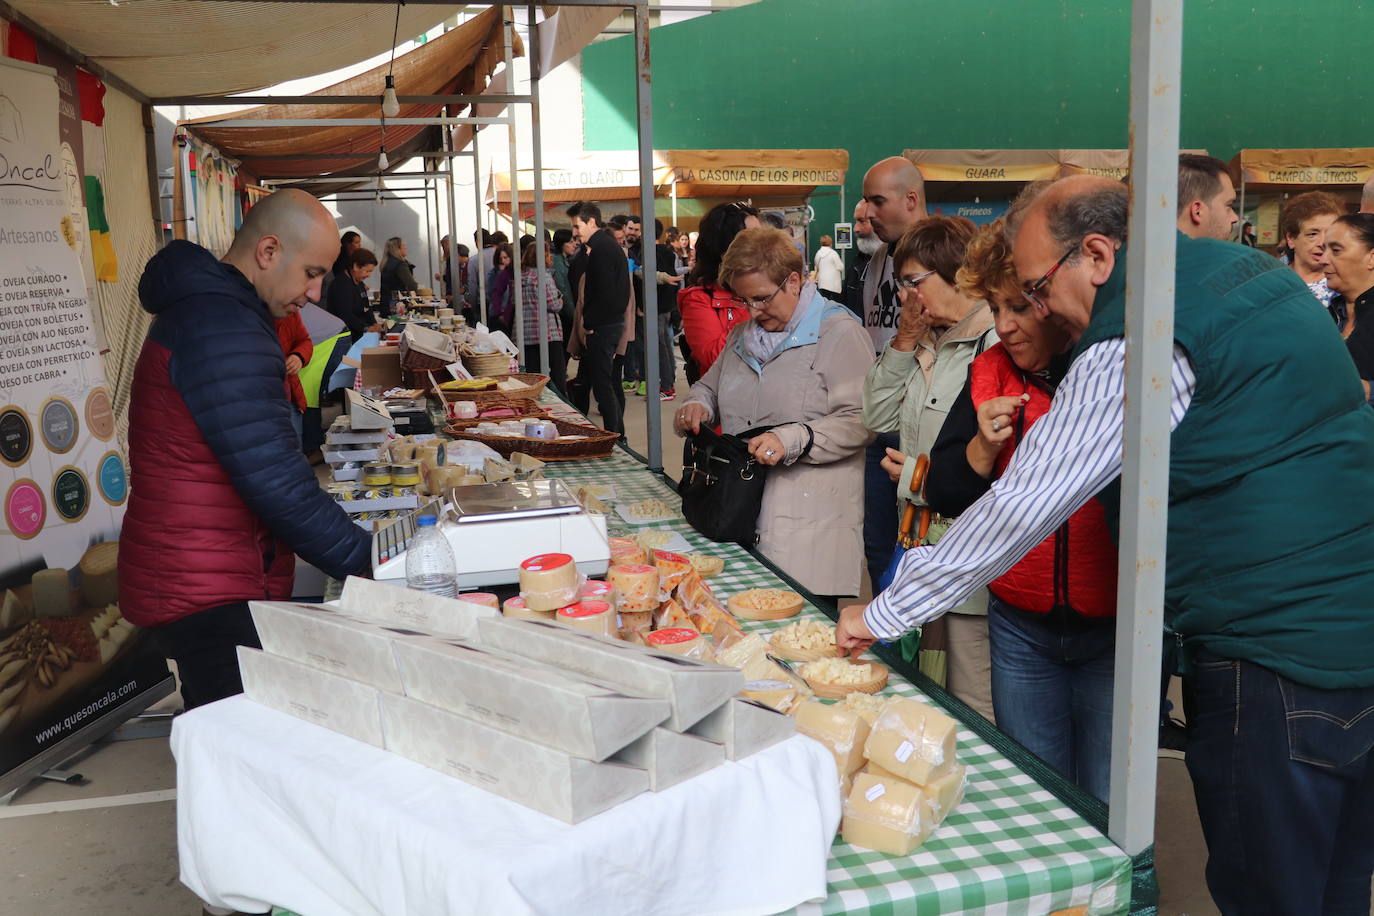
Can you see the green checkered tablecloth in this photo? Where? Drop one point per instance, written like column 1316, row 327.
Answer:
column 1010, row 847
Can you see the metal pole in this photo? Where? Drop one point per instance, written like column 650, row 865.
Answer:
column 673, row 192
column 537, row 161
column 429, row 235
column 452, row 224
column 648, row 259
column 516, row 292
column 1156, row 60
column 479, row 256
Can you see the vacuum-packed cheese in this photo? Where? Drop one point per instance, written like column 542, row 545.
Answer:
column 485, row 599
column 590, row 615
column 671, row 615
column 516, row 607
column 888, row 815
column 601, row 591
column 680, row 641
column 672, row 567
column 943, row 793
column 779, row 695
column 839, row 728
column 627, row 552
column 912, row 740
column 549, row 581
column 637, row 586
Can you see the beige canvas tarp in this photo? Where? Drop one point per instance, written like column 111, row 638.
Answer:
column 1286, row 168
column 991, row 165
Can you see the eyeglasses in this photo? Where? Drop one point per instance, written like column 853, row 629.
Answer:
column 1030, row 291
column 912, row 282
column 758, row 304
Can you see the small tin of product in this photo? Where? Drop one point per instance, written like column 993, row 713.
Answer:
column 406, row 474
column 376, row 475
column 540, row 429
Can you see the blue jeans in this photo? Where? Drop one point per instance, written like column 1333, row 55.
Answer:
column 880, row 508
column 1052, row 690
column 1284, row 780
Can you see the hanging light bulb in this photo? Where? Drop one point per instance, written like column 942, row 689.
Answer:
column 390, row 106
column 382, row 161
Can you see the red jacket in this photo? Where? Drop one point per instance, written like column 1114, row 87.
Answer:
column 1083, row 549
column 295, row 340
column 708, row 314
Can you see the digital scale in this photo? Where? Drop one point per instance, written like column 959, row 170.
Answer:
column 494, row 527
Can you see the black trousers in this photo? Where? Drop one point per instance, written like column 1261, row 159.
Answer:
column 205, row 647
column 558, row 363
column 599, row 364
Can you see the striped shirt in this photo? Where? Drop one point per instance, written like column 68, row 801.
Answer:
column 1067, row 457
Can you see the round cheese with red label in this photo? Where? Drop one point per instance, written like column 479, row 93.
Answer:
column 548, row 581
column 516, row 607
column 678, row 641
column 588, row 614
column 485, row 599
column 627, row 552
column 602, row 591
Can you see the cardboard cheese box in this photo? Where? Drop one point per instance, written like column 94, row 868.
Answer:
column 311, row 695
column 692, row 687
column 329, row 640
column 524, row 697
column 745, row 727
column 409, row 609
column 548, row 780
column 671, row 758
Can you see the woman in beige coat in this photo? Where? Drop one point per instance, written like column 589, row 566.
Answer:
column 798, row 366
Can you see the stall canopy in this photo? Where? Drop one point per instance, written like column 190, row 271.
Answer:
column 614, row 175
column 1287, row 169
column 458, row 62
column 164, row 48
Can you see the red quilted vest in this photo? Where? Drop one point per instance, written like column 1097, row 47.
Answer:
column 1075, row 566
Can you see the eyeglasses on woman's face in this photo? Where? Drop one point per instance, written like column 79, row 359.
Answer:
column 758, row 303
column 913, row 281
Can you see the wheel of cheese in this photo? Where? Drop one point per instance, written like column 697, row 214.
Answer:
column 672, row 567
column 637, row 586
column 679, row 641
column 601, row 591
column 516, row 607
column 590, row 614
column 627, row 552
column 636, row 620
column 485, row 599
column 548, row 581
column 99, row 568
column 52, row 593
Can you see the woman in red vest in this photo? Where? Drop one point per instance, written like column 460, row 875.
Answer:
column 1051, row 617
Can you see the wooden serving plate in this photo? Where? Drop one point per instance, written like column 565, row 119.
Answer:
column 840, row 691
column 741, row 607
column 787, row 653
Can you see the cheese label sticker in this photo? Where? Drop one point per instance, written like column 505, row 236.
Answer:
column 673, row 636
column 16, row 436
column 585, row 609
column 25, row 509
column 114, row 484
column 71, row 494
column 100, row 414
column 876, row 792
column 904, row 751
column 58, row 425
column 595, row 589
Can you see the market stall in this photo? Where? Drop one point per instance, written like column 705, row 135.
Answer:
column 979, row 184
column 687, row 183
column 1265, row 178
column 1010, row 843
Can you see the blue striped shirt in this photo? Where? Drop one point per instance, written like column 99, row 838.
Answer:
column 1067, row 457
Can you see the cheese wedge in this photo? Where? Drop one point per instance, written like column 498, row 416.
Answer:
column 842, row 730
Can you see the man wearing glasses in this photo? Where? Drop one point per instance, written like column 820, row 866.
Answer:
column 1271, row 433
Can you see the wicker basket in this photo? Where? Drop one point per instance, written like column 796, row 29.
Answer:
column 534, row 387
column 523, row 407
column 598, row 444
column 486, row 363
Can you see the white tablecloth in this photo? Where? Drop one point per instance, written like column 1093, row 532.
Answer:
column 272, row 810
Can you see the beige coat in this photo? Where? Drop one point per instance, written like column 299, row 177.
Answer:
column 811, row 521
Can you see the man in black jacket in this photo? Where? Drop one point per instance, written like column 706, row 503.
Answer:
column 606, row 294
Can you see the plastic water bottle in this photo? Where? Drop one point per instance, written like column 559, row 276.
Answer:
column 430, row 564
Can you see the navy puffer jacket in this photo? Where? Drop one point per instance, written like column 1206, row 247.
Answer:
column 221, row 494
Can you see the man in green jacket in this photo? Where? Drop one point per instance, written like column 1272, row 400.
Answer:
column 1270, row 566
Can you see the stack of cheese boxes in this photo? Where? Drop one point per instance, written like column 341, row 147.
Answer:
column 560, row 720
column 898, row 771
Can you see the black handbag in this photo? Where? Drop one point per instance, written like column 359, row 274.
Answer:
column 722, row 485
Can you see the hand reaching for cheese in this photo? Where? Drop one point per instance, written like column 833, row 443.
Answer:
column 852, row 633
